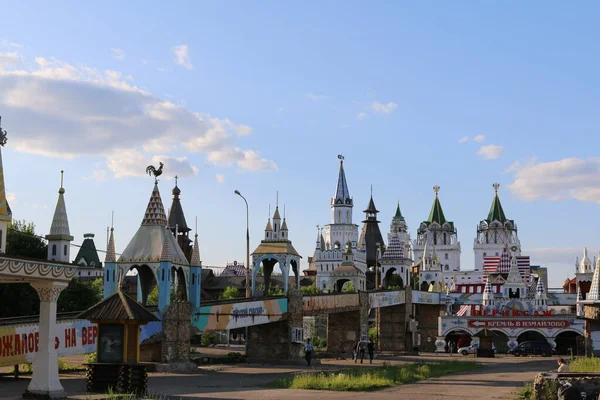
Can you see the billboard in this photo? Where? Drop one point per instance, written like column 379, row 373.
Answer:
column 222, row 317
column 329, row 302
column 386, row 299
column 419, row 297
column 19, row 344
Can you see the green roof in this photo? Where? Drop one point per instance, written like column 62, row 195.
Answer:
column 496, row 212
column 398, row 215
column 436, row 214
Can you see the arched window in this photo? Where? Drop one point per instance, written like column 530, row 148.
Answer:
column 339, row 216
column 53, row 249
column 65, row 250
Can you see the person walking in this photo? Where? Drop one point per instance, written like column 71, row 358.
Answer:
column 371, row 349
column 308, row 350
column 362, row 346
column 562, row 365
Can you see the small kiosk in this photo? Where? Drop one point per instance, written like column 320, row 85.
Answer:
column 117, row 365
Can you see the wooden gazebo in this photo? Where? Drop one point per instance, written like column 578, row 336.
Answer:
column 118, row 347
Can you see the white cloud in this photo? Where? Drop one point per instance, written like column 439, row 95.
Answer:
column 63, row 111
column 98, row 175
column 362, row 115
column 220, row 178
column 118, row 54
column 316, row 97
column 7, row 43
column 491, row 151
column 479, row 138
column 463, row 139
column 556, row 180
column 182, row 56
column 10, row 60
column 381, row 108
column 11, row 197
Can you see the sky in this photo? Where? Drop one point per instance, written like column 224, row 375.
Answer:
column 262, row 96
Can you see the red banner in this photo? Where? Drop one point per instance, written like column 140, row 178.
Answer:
column 514, row 323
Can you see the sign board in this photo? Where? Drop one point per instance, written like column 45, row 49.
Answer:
column 419, row 297
column 19, row 344
column 297, row 335
column 221, row 317
column 515, row 323
column 329, row 302
column 386, row 299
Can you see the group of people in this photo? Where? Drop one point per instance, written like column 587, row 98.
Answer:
column 359, row 350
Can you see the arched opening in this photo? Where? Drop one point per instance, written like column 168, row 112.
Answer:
column 424, row 286
column 392, row 280
column 570, row 342
column 178, row 284
column 53, row 249
column 531, row 336
column 262, row 277
column 340, row 283
column 296, row 272
column 147, row 282
column 459, row 338
column 337, row 245
column 499, row 340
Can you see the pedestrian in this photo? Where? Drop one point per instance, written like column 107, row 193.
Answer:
column 308, row 350
column 360, row 349
column 371, row 349
column 460, row 343
column 452, row 347
column 562, row 365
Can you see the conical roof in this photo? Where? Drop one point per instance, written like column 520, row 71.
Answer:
column 118, row 307
column 110, row 251
column 276, row 214
column 155, row 211
column 496, row 212
column 88, row 253
column 398, row 216
column 195, row 262
column 322, row 239
column 284, row 226
column 436, row 214
column 540, row 286
column 59, row 230
column 371, row 209
column 176, row 215
column 514, row 276
column 269, row 227
column 165, row 254
column 594, row 293
column 394, row 250
column 342, row 194
column 5, row 213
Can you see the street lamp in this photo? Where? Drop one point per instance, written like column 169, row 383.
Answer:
column 247, row 245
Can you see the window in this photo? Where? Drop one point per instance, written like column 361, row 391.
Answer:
column 65, row 250
column 484, row 254
column 446, row 256
column 275, row 226
column 446, row 267
column 497, row 254
column 53, row 249
column 89, row 273
column 339, row 216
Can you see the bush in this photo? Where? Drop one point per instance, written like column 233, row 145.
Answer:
column 90, row 358
column 349, row 288
column 320, row 342
column 209, row 338
column 585, row 364
column 230, row 292
column 373, row 334
column 312, row 289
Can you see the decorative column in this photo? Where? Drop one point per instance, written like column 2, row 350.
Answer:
column 440, row 344
column 512, row 342
column 552, row 342
column 44, row 381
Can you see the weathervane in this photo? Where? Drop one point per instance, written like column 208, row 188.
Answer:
column 341, row 157
column 496, row 186
column 153, row 171
column 3, row 134
column 436, row 189
column 176, row 178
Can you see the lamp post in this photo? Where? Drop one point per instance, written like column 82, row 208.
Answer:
column 247, row 245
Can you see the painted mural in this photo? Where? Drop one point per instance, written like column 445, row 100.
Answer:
column 19, row 344
column 222, row 317
column 554, row 299
column 386, row 299
column 419, row 297
column 329, row 302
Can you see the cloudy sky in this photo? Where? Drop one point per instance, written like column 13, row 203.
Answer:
column 262, row 97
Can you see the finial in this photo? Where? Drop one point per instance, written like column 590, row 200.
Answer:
column 496, row 186
column 436, row 189
column 341, row 158
column 371, row 190
column 318, row 229
column 151, row 170
column 112, row 220
column 196, row 227
column 284, row 211
column 269, row 211
column 3, row 134
column 176, row 178
column 277, row 199
column 61, row 190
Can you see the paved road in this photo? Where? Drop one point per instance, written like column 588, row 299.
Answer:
column 498, row 378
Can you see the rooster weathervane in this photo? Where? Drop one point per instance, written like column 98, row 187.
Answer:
column 3, row 134
column 151, row 170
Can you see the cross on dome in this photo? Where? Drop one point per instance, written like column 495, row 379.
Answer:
column 496, row 187
column 436, row 189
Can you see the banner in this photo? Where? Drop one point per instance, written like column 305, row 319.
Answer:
column 419, row 297
column 19, row 344
column 513, row 323
column 386, row 299
column 222, row 317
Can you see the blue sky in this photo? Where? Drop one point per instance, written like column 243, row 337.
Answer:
column 261, row 97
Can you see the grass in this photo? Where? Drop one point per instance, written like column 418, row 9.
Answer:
column 585, row 364
column 526, row 393
column 364, row 379
column 63, row 366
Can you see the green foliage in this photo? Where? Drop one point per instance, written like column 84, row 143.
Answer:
column 585, row 364
column 80, row 295
column 526, row 393
column 22, row 241
column 310, row 290
column 373, row 334
column 349, row 288
column 209, row 338
column 273, row 291
column 395, row 282
column 90, row 358
column 363, row 379
column 319, row 342
column 152, row 299
column 64, row 366
column 230, row 292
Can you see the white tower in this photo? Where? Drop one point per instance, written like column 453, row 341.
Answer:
column 488, row 295
column 494, row 233
column 585, row 266
column 441, row 234
column 59, row 238
column 5, row 213
column 541, row 299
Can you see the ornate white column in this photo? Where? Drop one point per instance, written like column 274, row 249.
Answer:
column 44, row 381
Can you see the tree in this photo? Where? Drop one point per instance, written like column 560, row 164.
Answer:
column 349, row 288
column 312, row 289
column 230, row 292
column 21, row 241
column 152, row 299
column 395, row 282
column 79, row 295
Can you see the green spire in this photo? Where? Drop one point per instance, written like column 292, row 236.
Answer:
column 436, row 214
column 496, row 212
column 398, row 215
